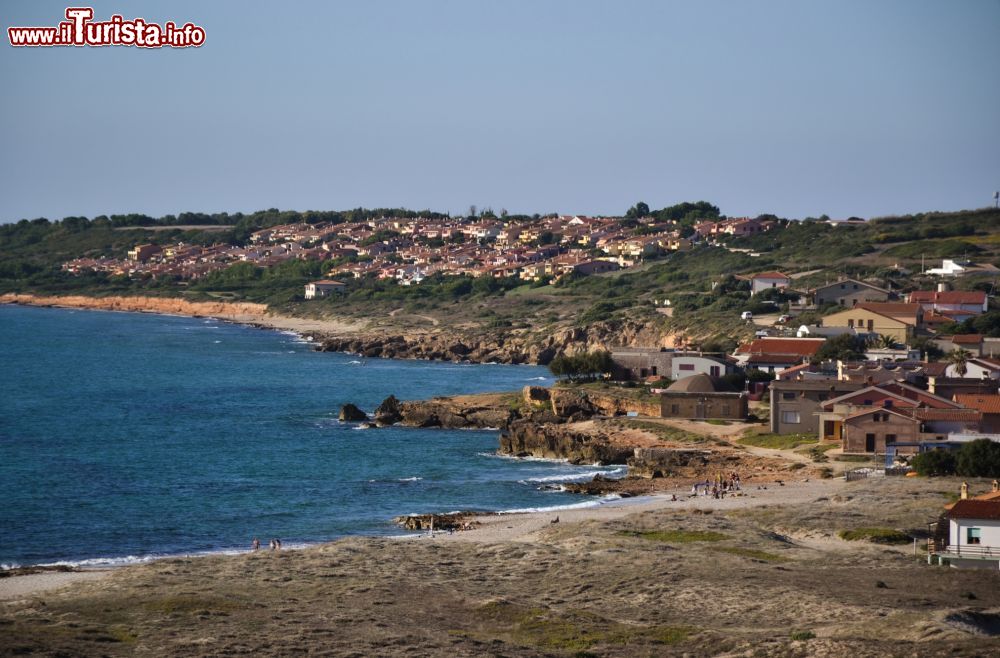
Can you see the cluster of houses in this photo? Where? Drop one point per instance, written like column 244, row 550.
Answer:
column 892, row 402
column 409, row 250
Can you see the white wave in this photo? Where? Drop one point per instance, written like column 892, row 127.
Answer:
column 216, row 341
column 355, row 363
column 557, row 508
column 536, row 379
column 496, row 455
column 412, row 479
column 576, row 477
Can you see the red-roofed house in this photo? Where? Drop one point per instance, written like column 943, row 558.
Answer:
column 973, row 535
column 776, row 354
column 954, row 303
column 988, row 405
column 764, row 280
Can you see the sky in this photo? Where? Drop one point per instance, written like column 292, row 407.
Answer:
column 844, row 108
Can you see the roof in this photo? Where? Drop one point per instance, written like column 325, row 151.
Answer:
column 860, row 283
column 897, row 310
column 771, row 275
column 967, row 339
column 957, row 415
column 870, row 410
column 327, row 282
column 798, row 346
column 988, row 404
column 774, row 359
column 975, row 509
column 948, row 297
column 694, row 384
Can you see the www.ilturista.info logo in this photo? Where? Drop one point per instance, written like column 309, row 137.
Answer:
column 80, row 30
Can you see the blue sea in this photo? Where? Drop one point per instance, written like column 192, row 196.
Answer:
column 126, row 437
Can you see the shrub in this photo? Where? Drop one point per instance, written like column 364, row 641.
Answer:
column 979, row 458
column 934, row 462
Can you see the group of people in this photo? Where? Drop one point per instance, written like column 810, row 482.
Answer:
column 718, row 488
column 275, row 544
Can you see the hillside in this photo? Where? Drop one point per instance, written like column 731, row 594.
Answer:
column 622, row 307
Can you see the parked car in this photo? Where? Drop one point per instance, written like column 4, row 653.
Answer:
column 746, row 315
column 762, row 333
column 784, row 318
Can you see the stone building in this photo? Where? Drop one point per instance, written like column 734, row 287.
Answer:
column 696, row 398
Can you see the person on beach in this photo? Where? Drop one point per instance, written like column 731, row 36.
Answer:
column 277, row 543
column 255, row 544
column 273, row 545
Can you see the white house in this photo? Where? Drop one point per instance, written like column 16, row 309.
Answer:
column 323, row 288
column 764, row 280
column 965, row 302
column 977, row 368
column 973, row 533
column 685, row 365
column 950, row 267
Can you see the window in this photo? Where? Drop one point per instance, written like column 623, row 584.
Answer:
column 972, row 536
column 686, row 366
column 890, row 438
column 790, row 417
column 674, row 410
column 855, row 286
column 788, row 396
column 887, row 404
column 850, row 323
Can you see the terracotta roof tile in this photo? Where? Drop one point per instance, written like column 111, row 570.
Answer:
column 947, row 297
column 988, row 404
column 975, row 509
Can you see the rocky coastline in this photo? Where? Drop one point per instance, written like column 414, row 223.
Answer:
column 339, row 334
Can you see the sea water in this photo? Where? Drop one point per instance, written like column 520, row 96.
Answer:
column 124, row 437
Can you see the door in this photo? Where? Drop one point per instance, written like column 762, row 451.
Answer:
column 869, row 443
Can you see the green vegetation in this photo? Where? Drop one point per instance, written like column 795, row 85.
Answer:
column 661, row 431
column 675, row 536
column 575, row 631
column 844, row 347
column 587, row 365
column 754, row 437
column 875, row 535
column 799, row 636
column 979, row 458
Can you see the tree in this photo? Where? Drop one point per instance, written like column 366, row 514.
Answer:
column 845, row 347
column 959, row 358
column 882, row 341
column 934, row 462
column 979, row 458
column 638, row 210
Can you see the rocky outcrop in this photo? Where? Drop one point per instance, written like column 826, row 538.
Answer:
column 453, row 521
column 667, row 462
column 527, row 439
column 389, row 412
column 581, row 403
column 492, row 346
column 351, row 413
column 444, row 412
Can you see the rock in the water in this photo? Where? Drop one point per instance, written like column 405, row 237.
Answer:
column 389, row 412
column 350, row 412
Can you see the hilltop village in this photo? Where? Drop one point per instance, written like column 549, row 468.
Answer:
column 411, row 249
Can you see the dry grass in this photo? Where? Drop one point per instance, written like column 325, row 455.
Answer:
column 774, row 581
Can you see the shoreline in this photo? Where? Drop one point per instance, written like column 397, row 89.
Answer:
column 489, row 528
column 245, row 313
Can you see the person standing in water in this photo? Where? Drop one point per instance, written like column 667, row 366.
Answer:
column 255, row 544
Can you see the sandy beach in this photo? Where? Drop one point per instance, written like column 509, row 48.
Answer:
column 501, row 528
column 238, row 312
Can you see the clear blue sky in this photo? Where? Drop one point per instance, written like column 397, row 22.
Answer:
column 796, row 108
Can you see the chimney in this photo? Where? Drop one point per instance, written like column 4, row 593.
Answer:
column 965, row 491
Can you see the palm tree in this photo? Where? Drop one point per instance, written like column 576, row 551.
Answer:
column 959, row 358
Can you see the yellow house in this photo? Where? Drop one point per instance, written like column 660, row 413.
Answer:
column 900, row 321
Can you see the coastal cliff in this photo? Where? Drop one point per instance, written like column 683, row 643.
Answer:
column 388, row 338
